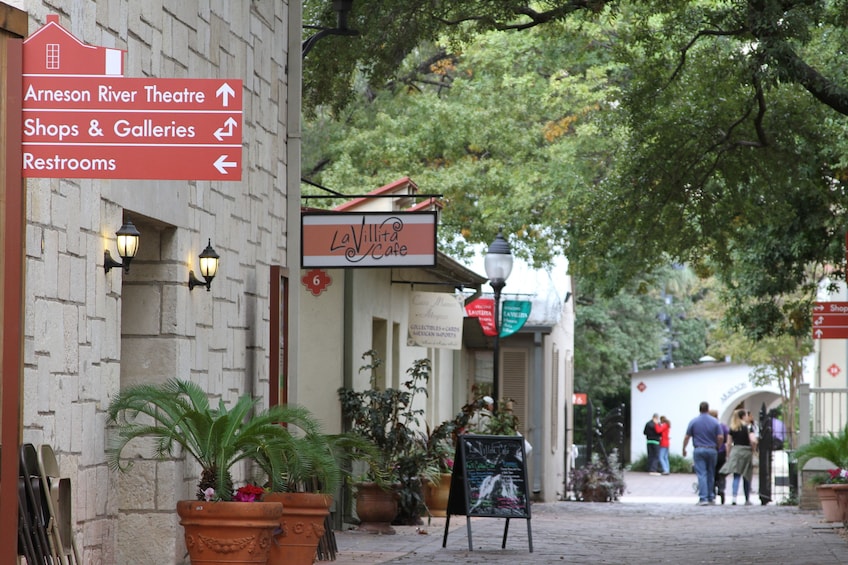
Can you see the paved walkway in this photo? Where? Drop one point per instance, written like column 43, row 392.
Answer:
column 657, row 521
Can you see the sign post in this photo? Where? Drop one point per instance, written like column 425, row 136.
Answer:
column 489, row 479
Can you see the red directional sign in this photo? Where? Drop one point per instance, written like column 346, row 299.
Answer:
column 83, row 119
column 830, row 320
column 123, row 128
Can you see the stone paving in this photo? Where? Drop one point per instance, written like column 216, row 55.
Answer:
column 657, row 521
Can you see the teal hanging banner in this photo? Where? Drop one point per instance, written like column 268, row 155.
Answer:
column 514, row 314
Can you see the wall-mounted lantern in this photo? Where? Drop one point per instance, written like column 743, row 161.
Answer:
column 127, row 244
column 208, row 268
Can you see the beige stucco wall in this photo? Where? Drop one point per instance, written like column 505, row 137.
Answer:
column 87, row 332
column 322, row 344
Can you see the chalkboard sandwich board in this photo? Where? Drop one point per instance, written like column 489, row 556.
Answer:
column 489, row 480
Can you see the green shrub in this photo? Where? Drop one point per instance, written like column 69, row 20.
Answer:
column 676, row 464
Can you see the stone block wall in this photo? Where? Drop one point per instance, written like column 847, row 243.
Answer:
column 87, row 332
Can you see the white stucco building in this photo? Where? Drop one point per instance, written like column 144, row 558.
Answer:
column 676, row 394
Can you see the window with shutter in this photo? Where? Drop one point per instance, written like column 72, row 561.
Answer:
column 514, row 377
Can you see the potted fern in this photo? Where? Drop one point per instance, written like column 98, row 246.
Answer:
column 178, row 414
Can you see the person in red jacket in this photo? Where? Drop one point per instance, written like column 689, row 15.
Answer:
column 663, row 427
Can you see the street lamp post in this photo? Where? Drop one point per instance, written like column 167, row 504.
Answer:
column 498, row 264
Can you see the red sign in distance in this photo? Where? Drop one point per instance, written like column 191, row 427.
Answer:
column 831, row 333
column 830, row 320
column 131, row 128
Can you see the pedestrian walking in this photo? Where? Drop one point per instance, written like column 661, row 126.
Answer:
column 740, row 458
column 721, row 478
column 664, row 429
column 652, row 438
column 706, row 436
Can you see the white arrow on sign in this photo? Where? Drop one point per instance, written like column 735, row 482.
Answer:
column 818, row 333
column 225, row 91
column 222, row 164
column 220, row 133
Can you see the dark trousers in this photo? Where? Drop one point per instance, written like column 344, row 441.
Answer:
column 720, row 480
column 653, row 457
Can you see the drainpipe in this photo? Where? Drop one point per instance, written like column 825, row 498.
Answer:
column 293, row 150
column 538, row 388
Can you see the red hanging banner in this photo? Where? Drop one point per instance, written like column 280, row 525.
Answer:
column 484, row 310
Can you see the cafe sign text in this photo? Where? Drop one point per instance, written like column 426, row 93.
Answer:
column 368, row 239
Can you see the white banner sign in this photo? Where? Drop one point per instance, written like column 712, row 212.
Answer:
column 435, row 320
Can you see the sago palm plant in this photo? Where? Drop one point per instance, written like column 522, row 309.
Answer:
column 178, row 413
column 833, row 447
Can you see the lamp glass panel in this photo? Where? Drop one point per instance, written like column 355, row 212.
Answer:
column 127, row 245
column 498, row 266
column 208, row 267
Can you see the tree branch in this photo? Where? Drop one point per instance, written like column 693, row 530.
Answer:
column 535, row 18
column 699, row 35
column 796, row 69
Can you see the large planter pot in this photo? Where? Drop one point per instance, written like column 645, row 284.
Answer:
column 228, row 532
column 595, row 494
column 830, row 506
column 376, row 508
column 436, row 495
column 841, row 491
column 301, row 526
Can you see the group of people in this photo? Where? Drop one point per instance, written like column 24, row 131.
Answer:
column 738, row 443
column 657, row 433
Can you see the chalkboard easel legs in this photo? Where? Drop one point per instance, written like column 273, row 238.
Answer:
column 468, row 527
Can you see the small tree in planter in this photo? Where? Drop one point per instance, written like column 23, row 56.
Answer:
column 389, row 421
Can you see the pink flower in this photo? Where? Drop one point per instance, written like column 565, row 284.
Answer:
column 209, row 494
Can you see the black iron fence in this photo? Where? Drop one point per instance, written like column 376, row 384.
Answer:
column 601, row 433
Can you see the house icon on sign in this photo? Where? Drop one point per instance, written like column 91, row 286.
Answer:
column 53, row 50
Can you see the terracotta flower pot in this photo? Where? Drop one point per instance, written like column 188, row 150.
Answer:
column 830, row 506
column 301, row 526
column 228, row 532
column 436, row 495
column 376, row 508
column 841, row 491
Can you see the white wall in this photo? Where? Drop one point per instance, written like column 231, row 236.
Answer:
column 676, row 394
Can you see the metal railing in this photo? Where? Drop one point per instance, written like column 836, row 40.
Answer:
column 820, row 410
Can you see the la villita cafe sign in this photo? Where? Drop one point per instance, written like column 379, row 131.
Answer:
column 83, row 119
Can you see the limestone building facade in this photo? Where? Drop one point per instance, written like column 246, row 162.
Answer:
column 87, row 332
